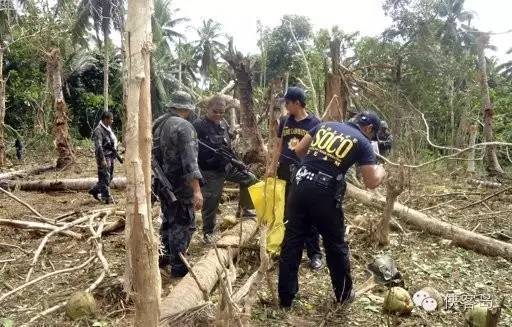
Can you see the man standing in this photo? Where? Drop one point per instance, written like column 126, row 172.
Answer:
column 213, row 131
column 329, row 150
column 105, row 145
column 290, row 131
column 175, row 154
column 385, row 139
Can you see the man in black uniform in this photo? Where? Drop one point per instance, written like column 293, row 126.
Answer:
column 318, row 188
column 105, row 145
column 175, row 152
column 290, row 131
column 214, row 132
column 385, row 139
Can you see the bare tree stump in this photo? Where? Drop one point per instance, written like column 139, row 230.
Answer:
column 394, row 187
column 60, row 123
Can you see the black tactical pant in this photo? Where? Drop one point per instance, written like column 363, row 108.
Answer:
column 212, row 192
column 105, row 176
column 312, row 239
column 178, row 225
column 310, row 205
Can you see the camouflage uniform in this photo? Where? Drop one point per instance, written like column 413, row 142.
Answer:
column 175, row 149
column 104, row 146
column 216, row 170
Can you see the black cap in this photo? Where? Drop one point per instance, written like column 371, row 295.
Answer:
column 295, row 93
column 366, row 118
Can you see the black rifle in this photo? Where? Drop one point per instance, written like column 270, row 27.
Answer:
column 226, row 155
column 161, row 185
column 110, row 147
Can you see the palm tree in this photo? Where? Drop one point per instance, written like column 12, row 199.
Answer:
column 104, row 14
column 163, row 61
column 209, row 46
column 454, row 13
column 505, row 69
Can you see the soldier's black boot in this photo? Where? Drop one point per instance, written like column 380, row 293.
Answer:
column 95, row 194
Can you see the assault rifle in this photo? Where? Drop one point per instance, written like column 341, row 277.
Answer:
column 161, row 185
column 114, row 151
column 225, row 154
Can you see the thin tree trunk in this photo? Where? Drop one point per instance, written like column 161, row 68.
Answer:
column 492, row 164
column 142, row 272
column 2, row 108
column 105, row 67
column 124, row 72
column 180, row 78
column 451, row 95
column 473, row 132
column 333, row 85
column 286, row 81
column 60, row 114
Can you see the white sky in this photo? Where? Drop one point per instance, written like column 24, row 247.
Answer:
column 239, row 17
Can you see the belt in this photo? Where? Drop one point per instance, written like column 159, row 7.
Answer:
column 317, row 177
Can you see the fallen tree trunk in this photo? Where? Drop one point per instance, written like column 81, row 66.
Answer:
column 187, row 294
column 71, row 184
column 27, row 172
column 460, row 236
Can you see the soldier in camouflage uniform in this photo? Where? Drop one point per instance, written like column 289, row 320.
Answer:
column 175, row 150
column 105, row 145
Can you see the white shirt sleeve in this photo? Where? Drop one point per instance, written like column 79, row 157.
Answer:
column 375, row 146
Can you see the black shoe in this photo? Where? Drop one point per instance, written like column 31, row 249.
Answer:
column 316, row 263
column 246, row 213
column 285, row 304
column 95, row 194
column 350, row 299
column 163, row 261
column 109, row 200
column 178, row 272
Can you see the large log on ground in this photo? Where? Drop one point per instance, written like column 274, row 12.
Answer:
column 186, row 294
column 27, row 172
column 74, row 184
column 460, row 236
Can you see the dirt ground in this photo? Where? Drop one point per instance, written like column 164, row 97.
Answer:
column 422, row 259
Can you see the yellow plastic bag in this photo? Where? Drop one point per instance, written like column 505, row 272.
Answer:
column 268, row 198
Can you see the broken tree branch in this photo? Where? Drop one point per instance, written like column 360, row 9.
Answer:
column 193, row 274
column 460, row 236
column 37, row 226
column 70, row 184
column 27, row 172
column 47, row 237
column 459, row 152
column 186, row 294
column 53, row 273
column 311, row 85
column 14, row 246
column 486, row 198
column 34, row 211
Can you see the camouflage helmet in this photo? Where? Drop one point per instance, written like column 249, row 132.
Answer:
column 181, row 100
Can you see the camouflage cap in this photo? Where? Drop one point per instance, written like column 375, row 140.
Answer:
column 181, row 100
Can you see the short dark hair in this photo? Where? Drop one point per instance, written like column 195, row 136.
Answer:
column 106, row 115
